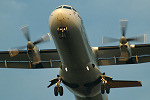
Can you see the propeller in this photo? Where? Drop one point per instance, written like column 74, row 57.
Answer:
column 123, row 40
column 123, row 25
column 106, row 40
column 44, row 38
column 25, row 30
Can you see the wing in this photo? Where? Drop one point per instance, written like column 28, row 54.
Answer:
column 50, row 59
column 139, row 50
column 111, row 55
column 121, row 84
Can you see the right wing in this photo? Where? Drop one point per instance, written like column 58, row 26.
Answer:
column 50, row 59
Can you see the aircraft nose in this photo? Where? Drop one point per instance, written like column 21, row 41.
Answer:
column 60, row 17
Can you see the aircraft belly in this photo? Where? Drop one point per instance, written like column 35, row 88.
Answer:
column 80, row 78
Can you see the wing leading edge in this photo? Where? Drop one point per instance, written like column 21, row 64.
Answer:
column 49, row 59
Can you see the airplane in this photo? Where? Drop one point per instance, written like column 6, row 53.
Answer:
column 77, row 60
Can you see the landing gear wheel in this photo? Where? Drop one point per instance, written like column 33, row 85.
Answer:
column 102, row 89
column 61, row 90
column 56, row 91
column 107, row 89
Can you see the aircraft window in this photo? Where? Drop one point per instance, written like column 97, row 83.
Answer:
column 66, row 7
column 59, row 7
column 74, row 9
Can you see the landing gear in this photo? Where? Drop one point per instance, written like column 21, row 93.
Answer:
column 105, row 85
column 61, row 91
column 57, row 88
column 56, row 91
column 107, row 88
column 102, row 89
column 62, row 32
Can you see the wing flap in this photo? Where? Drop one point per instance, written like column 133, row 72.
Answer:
column 116, row 61
column 24, row 65
column 121, row 84
column 28, row 65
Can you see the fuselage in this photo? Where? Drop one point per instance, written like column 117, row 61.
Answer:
column 79, row 65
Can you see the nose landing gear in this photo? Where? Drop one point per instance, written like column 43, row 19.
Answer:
column 62, row 31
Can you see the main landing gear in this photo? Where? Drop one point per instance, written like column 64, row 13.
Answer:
column 57, row 88
column 105, row 85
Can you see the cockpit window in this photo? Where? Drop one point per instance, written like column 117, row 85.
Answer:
column 66, row 7
column 74, row 9
column 59, row 7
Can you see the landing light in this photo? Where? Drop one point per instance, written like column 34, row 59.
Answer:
column 66, row 69
column 87, row 67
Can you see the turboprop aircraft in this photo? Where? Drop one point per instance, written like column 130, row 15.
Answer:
column 78, row 62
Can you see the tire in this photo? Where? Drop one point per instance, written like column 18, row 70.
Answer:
column 56, row 91
column 102, row 89
column 107, row 89
column 61, row 91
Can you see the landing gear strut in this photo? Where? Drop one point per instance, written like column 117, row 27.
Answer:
column 105, row 85
column 57, row 88
column 62, row 32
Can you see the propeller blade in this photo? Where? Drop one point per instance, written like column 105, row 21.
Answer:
column 123, row 25
column 138, row 39
column 107, row 40
column 45, row 38
column 15, row 51
column 25, row 31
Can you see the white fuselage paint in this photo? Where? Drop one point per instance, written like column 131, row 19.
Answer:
column 76, row 54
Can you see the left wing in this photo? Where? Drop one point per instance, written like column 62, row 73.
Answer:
column 110, row 55
column 50, row 59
